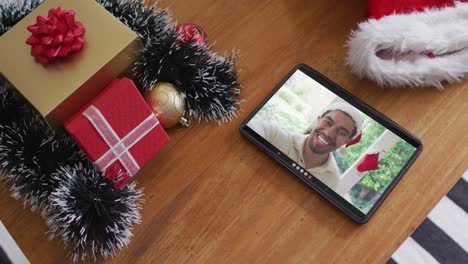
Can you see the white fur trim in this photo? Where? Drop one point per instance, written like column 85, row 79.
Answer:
column 442, row 32
column 350, row 110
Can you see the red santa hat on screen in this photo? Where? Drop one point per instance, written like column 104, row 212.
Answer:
column 350, row 111
column 411, row 42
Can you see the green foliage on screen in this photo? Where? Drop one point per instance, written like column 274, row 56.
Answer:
column 372, row 131
column 374, row 183
column 286, row 109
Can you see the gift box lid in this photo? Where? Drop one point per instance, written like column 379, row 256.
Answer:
column 109, row 48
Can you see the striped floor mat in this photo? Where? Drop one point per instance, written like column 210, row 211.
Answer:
column 10, row 253
column 443, row 236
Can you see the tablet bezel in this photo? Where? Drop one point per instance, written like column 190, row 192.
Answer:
column 316, row 184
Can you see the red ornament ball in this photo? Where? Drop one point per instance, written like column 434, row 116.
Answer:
column 55, row 36
column 189, row 32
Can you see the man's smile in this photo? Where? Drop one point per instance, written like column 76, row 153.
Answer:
column 324, row 141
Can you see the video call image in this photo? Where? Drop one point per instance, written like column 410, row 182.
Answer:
column 351, row 153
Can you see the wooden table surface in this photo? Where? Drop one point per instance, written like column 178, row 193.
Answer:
column 212, row 197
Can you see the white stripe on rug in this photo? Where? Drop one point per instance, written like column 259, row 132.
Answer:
column 10, row 247
column 453, row 220
column 410, row 252
column 465, row 176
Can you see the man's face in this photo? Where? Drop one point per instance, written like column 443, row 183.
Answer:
column 332, row 131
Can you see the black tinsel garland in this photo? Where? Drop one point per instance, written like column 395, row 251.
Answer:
column 50, row 173
column 88, row 213
column 148, row 22
column 208, row 82
column 12, row 106
column 13, row 11
column 30, row 152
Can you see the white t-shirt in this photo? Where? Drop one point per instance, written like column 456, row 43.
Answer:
column 292, row 144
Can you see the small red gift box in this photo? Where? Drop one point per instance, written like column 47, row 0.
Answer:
column 118, row 131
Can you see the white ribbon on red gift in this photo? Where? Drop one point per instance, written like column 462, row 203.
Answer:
column 118, row 148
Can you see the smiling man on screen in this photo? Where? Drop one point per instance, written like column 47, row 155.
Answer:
column 337, row 125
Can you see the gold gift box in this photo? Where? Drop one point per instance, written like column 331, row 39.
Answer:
column 59, row 89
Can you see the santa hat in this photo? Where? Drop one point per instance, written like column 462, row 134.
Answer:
column 353, row 113
column 411, row 42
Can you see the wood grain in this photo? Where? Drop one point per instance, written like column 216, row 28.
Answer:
column 212, row 197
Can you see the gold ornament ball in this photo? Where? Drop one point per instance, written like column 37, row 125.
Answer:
column 166, row 103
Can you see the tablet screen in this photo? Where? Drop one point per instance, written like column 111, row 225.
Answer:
column 331, row 140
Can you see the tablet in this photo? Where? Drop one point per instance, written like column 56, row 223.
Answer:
column 337, row 144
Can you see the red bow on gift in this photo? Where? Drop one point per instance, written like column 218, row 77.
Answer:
column 56, row 35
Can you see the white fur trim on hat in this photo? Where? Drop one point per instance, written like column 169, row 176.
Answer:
column 394, row 50
column 348, row 109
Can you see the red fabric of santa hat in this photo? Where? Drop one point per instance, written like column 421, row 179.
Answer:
column 411, row 43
